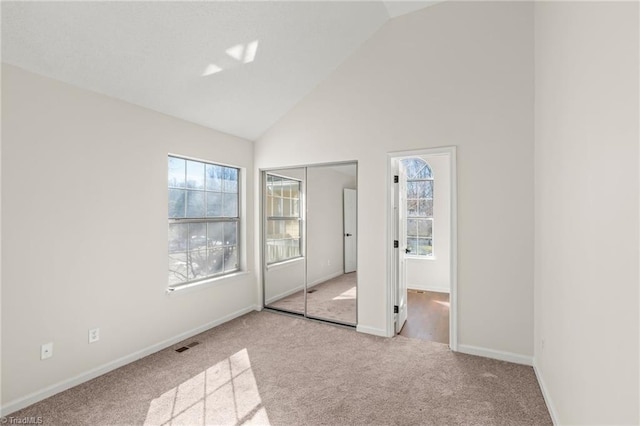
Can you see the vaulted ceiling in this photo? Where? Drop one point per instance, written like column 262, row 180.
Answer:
column 233, row 66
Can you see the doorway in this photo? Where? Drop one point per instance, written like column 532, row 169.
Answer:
column 422, row 253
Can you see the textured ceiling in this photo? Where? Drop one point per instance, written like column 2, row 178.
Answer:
column 233, row 66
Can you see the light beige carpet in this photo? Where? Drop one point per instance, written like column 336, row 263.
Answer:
column 334, row 300
column 267, row 368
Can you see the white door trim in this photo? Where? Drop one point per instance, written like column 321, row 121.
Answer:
column 450, row 151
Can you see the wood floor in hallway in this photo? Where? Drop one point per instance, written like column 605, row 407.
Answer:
column 428, row 316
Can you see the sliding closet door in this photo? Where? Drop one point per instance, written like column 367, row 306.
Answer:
column 331, row 284
column 306, row 225
column 283, row 240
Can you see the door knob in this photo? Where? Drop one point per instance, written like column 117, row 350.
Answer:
column 348, row 235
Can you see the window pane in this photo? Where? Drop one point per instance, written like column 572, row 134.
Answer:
column 295, row 208
column 286, row 188
column 197, row 236
column 177, row 172
column 425, row 228
column 230, row 259
column 215, row 237
column 286, row 207
column 197, row 265
column 425, row 189
column 277, row 186
column 412, row 190
column 177, row 268
column 195, row 204
column 178, row 237
column 426, row 208
column 230, row 205
column 195, row 175
column 213, row 175
column 293, row 246
column 412, row 245
column 416, row 168
column 176, row 202
column 215, row 261
column 230, row 180
column 292, row 228
column 295, row 190
column 412, row 208
column 230, row 233
column 277, row 206
column 214, row 204
column 425, row 247
column 412, row 227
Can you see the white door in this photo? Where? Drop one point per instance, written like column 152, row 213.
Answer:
column 350, row 236
column 401, row 236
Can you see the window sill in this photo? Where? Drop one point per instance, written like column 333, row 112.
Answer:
column 187, row 288
column 284, row 263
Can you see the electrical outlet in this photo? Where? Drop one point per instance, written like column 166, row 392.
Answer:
column 94, row 335
column 46, row 350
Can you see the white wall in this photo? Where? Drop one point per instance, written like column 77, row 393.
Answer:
column 84, row 226
column 325, row 228
column 283, row 279
column 452, row 74
column 586, row 209
column 434, row 274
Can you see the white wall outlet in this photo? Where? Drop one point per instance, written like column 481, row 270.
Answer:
column 94, row 335
column 46, row 350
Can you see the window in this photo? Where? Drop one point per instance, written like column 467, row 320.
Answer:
column 419, row 207
column 283, row 218
column 203, row 220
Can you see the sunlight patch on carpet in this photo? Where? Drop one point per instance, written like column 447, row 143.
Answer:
column 349, row 294
column 224, row 394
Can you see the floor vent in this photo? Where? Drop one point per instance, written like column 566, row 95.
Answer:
column 188, row 346
column 313, row 290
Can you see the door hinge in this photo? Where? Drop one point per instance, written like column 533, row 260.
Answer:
column 395, row 244
column 395, row 309
column 395, row 179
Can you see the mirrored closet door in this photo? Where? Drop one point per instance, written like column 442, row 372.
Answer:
column 310, row 241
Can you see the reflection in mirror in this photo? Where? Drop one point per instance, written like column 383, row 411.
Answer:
column 283, row 243
column 331, row 243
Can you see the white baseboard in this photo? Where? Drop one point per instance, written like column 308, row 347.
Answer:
column 37, row 396
column 545, row 394
column 431, row 288
column 371, row 330
column 499, row 355
column 283, row 295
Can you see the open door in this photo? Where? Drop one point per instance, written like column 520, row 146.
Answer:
column 401, row 237
column 350, row 237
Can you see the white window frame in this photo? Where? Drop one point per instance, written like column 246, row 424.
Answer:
column 211, row 222
column 421, row 218
column 283, row 218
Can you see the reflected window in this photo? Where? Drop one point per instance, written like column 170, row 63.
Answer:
column 204, row 222
column 283, row 218
column 419, row 208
